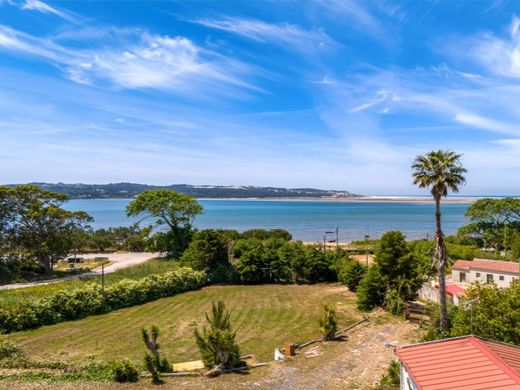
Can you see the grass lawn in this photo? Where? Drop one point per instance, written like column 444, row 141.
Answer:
column 264, row 316
column 154, row 266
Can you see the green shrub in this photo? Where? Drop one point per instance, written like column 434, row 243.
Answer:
column 9, row 350
column 351, row 274
column 329, row 323
column 371, row 289
column 393, row 302
column 217, row 344
column 83, row 302
column 392, row 376
column 124, row 371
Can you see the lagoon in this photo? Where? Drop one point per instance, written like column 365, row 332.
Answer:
column 305, row 220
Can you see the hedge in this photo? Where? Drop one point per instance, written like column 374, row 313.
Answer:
column 83, row 302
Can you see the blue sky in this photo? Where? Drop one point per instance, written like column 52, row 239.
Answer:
column 327, row 94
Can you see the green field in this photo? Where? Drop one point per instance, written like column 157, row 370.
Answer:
column 155, row 266
column 265, row 317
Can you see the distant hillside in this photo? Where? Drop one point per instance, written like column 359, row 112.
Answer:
column 130, row 190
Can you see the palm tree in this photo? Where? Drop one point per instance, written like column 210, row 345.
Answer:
column 441, row 171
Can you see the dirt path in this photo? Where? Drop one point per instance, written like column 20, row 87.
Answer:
column 118, row 261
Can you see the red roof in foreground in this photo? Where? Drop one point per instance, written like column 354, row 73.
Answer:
column 488, row 265
column 465, row 363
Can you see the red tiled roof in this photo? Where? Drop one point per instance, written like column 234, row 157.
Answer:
column 488, row 265
column 453, row 289
column 465, row 363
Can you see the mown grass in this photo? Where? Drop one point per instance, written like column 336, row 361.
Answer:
column 150, row 267
column 265, row 317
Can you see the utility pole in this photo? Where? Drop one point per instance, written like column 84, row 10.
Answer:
column 324, row 243
column 337, row 238
column 103, row 278
column 366, row 249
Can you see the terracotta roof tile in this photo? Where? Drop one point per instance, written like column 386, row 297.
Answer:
column 466, row 363
column 488, row 265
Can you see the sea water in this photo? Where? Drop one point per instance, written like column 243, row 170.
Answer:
column 305, row 220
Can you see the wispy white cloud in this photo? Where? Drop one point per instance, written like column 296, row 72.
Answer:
column 498, row 55
column 138, row 59
column 289, row 36
column 360, row 18
column 40, row 6
column 481, row 122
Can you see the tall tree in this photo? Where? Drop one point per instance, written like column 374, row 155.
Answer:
column 440, row 171
column 493, row 221
column 177, row 211
column 44, row 229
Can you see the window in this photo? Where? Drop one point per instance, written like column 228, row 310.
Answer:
column 501, row 277
column 462, row 277
column 489, row 278
column 478, row 274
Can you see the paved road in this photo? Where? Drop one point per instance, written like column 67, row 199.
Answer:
column 118, row 260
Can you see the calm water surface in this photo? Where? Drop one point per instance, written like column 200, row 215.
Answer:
column 305, row 220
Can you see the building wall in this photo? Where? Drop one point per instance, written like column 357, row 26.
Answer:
column 475, row 275
column 406, row 382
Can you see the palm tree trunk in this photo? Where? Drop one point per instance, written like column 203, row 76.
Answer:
column 440, row 251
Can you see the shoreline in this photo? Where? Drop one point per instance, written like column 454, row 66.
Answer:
column 353, row 199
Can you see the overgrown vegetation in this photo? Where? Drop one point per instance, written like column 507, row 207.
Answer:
column 392, row 377
column 123, row 371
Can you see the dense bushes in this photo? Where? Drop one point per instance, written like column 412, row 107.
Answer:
column 489, row 312
column 124, row 371
column 209, row 252
column 79, row 303
column 277, row 261
column 396, row 276
column 351, row 274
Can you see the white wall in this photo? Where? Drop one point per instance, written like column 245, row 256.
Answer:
column 476, row 275
column 406, row 381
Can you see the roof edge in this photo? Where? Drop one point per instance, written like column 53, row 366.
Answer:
column 477, row 342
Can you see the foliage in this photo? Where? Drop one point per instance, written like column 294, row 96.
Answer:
column 150, row 340
column 149, row 363
column 278, row 261
column 432, row 327
column 395, row 277
column 392, row 376
column 175, row 210
column 209, row 252
column 351, row 274
column 33, row 222
column 371, row 289
column 9, row 350
column 494, row 222
column 131, row 238
column 490, row 312
column 124, row 371
column 329, row 323
column 263, row 234
column 216, row 343
column 394, row 303
column 82, row 302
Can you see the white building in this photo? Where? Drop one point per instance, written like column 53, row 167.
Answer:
column 502, row 273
